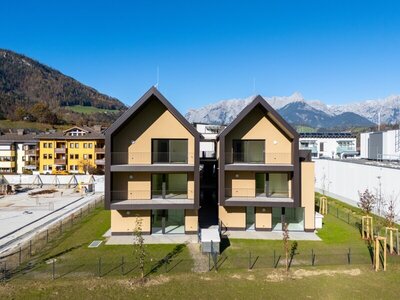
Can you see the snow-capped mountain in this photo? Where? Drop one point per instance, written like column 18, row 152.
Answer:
column 314, row 113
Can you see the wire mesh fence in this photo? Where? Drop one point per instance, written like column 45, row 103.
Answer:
column 15, row 257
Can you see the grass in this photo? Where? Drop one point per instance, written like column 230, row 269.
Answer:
column 90, row 109
column 77, row 265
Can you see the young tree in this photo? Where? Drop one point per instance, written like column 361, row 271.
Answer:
column 139, row 246
column 286, row 244
column 85, row 165
column 391, row 213
column 367, row 201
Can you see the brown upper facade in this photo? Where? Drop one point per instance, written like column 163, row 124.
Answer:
column 152, row 158
column 259, row 160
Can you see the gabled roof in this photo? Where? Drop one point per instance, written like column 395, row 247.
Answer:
column 75, row 127
column 260, row 101
column 142, row 101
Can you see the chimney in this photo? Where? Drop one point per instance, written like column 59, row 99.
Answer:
column 20, row 131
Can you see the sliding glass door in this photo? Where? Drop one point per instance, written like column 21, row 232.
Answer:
column 169, row 186
column 248, row 151
column 169, row 151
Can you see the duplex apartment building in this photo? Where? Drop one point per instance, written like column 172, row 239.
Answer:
column 152, row 169
column 74, row 150
column 257, row 178
column 19, row 152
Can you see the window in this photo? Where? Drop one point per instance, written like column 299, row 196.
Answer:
column 44, row 156
column 71, row 145
column 71, row 168
column 50, row 145
column 84, row 156
column 321, row 147
column 248, row 151
column 90, row 145
column 85, row 145
column 90, row 156
column 169, row 151
column 76, row 145
column 76, row 156
column 44, row 145
column 50, row 156
column 71, row 156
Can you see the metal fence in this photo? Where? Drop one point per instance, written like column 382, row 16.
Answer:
column 13, row 259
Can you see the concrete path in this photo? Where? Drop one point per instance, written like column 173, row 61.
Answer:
column 200, row 261
column 272, row 235
column 154, row 239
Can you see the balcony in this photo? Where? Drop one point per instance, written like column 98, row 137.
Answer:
column 7, row 164
column 100, row 150
column 208, row 154
column 341, row 149
column 257, row 197
column 154, row 199
column 258, row 162
column 60, row 150
column 60, row 161
column 31, row 152
column 100, row 162
column 152, row 161
column 313, row 148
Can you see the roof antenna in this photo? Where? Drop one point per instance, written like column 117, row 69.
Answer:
column 158, row 76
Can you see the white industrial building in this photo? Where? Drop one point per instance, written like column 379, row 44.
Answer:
column 380, row 145
column 329, row 144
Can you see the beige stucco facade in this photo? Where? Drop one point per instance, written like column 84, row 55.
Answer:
column 307, row 194
column 232, row 217
column 125, row 221
column 263, row 218
column 154, row 121
column 191, row 220
column 258, row 126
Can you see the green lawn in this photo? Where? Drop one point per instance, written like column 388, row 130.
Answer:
column 77, row 269
column 89, row 109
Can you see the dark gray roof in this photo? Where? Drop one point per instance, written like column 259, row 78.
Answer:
column 327, row 135
column 258, row 101
column 14, row 137
column 62, row 136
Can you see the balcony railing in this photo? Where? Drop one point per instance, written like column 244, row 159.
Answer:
column 100, row 162
column 99, row 150
column 255, row 193
column 122, row 158
column 31, row 152
column 313, row 149
column 60, row 161
column 341, row 149
column 258, row 158
column 149, row 194
column 207, row 154
column 60, row 150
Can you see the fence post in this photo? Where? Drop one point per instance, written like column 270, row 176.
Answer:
column 122, row 265
column 312, row 257
column 30, row 247
column 349, row 257
column 54, row 269
column 337, row 212
column 250, row 260
column 5, row 271
column 47, row 236
column 274, row 265
column 209, row 266
column 60, row 227
column 99, row 268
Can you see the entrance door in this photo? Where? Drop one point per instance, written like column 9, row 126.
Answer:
column 250, row 218
column 261, row 184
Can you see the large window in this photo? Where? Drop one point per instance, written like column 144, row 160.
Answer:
column 169, row 186
column 169, row 151
column 248, row 151
column 274, row 185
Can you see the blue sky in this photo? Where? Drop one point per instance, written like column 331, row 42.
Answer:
column 335, row 51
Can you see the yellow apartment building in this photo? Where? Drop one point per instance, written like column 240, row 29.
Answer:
column 75, row 150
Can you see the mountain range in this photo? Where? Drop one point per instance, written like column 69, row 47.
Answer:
column 25, row 82
column 313, row 113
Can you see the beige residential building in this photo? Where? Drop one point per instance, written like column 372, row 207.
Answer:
column 257, row 180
